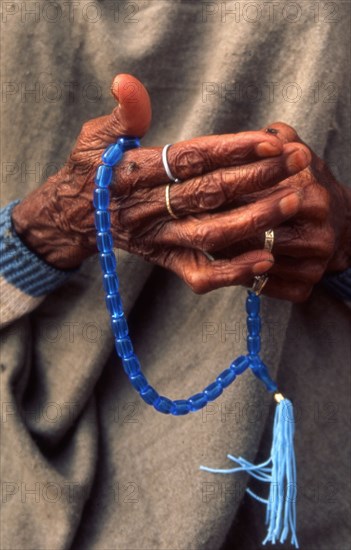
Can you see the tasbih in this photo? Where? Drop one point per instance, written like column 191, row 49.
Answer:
column 280, row 469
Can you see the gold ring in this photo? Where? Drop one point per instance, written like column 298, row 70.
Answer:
column 168, row 203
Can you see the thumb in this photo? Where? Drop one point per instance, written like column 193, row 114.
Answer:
column 133, row 115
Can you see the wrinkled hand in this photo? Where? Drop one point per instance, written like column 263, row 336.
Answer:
column 316, row 240
column 57, row 220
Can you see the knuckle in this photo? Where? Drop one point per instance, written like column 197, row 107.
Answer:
column 301, row 294
column 196, row 282
column 314, row 274
column 182, row 159
column 210, row 194
column 201, row 237
column 86, row 127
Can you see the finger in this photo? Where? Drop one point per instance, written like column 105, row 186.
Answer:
column 294, row 241
column 194, row 157
column 213, row 232
column 132, row 117
column 302, row 242
column 222, row 187
column 215, row 189
column 306, row 270
column 202, row 275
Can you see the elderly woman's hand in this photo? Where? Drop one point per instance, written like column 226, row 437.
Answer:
column 57, row 219
column 316, row 240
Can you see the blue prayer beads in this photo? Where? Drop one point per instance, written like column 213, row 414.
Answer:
column 180, row 407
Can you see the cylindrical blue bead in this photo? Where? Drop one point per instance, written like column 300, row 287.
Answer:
column 260, row 370
column 131, row 365
column 197, row 401
column 104, row 241
column 103, row 176
column 102, row 220
column 112, row 155
column 139, row 381
column 127, row 143
column 253, row 345
column 119, row 326
column 226, row 377
column 149, row 394
column 253, row 304
column 114, row 304
column 110, row 282
column 101, row 198
column 180, row 407
column 254, row 325
column 108, row 262
column 124, row 347
column 163, row 404
column 213, row 390
column 240, row 364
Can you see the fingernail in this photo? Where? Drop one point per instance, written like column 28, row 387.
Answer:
column 297, row 160
column 290, row 204
column 267, row 149
column 262, row 267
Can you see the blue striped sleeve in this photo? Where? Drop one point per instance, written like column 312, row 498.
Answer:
column 21, row 267
column 339, row 284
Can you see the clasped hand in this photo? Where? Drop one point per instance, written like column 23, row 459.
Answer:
column 233, row 188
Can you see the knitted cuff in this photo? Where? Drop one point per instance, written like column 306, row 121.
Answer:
column 21, row 267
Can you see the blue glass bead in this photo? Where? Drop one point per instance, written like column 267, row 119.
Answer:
column 102, row 220
column 260, row 370
column 119, row 326
column 104, row 241
column 254, row 325
column 240, row 364
column 112, row 155
column 101, row 198
column 127, row 143
column 213, row 390
column 114, row 304
column 226, row 377
column 149, row 394
column 124, row 347
column 131, row 365
column 108, row 262
column 253, row 345
column 139, row 381
column 103, row 176
column 180, row 407
column 110, row 282
column 163, row 404
column 253, row 304
column 197, row 401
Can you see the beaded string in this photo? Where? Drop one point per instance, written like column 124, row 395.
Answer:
column 112, row 156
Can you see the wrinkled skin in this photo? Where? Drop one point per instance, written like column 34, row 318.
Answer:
column 234, row 187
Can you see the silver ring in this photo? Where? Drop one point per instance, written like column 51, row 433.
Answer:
column 260, row 281
column 166, row 165
column 269, row 240
column 208, row 256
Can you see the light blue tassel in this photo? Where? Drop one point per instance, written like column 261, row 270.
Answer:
column 280, row 472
